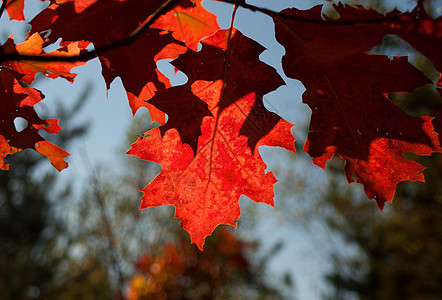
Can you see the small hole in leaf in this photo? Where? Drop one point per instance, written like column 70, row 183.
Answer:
column 20, row 124
column 45, row 33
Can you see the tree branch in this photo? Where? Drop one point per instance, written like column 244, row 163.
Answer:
column 298, row 18
column 87, row 55
column 168, row 5
column 2, row 8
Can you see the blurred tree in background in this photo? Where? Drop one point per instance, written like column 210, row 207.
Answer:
column 222, row 271
column 399, row 250
column 31, row 244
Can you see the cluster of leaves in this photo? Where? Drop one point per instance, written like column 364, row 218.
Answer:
column 208, row 148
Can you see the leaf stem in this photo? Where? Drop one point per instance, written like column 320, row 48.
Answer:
column 221, row 102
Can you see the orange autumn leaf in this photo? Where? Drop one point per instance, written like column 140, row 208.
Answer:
column 189, row 22
column 55, row 154
column 33, row 45
column 205, row 187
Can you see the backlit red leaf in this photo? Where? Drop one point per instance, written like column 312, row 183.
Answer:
column 208, row 148
column 205, row 187
column 204, row 183
column 236, row 61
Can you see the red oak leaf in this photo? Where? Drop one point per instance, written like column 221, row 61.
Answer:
column 204, row 183
column 15, row 9
column 33, row 45
column 205, row 187
column 18, row 102
column 234, row 58
column 189, row 24
column 346, row 90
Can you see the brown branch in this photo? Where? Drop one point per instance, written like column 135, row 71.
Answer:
column 2, row 8
column 269, row 12
column 87, row 55
column 168, row 5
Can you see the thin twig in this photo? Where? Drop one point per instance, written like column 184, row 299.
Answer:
column 87, row 55
column 308, row 20
column 168, row 5
column 2, row 8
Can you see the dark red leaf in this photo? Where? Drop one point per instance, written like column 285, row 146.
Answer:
column 347, row 92
column 185, row 112
column 422, row 32
column 135, row 63
column 237, row 63
column 18, row 102
column 100, row 22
